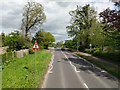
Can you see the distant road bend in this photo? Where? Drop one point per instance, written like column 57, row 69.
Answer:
column 68, row 70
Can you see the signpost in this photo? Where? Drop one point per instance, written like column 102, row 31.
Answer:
column 90, row 46
column 35, row 46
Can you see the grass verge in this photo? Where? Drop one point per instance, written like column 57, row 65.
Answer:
column 112, row 70
column 20, row 72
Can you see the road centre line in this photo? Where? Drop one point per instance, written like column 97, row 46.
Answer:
column 81, row 80
column 86, row 86
column 70, row 62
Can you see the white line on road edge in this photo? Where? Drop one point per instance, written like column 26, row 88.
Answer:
column 70, row 62
column 86, row 86
column 46, row 76
column 51, row 65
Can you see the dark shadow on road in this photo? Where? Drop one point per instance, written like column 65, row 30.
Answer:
column 83, row 65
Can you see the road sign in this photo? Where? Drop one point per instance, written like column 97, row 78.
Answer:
column 35, row 46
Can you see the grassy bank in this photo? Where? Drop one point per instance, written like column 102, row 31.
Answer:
column 20, row 72
column 111, row 70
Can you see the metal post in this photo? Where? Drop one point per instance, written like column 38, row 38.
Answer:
column 35, row 63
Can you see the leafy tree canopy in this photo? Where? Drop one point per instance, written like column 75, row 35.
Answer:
column 33, row 16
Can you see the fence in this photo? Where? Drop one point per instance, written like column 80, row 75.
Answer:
column 10, row 55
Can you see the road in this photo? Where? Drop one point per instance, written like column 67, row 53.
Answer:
column 68, row 70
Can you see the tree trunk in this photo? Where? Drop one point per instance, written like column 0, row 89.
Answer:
column 26, row 33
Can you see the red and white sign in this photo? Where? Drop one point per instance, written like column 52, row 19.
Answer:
column 35, row 46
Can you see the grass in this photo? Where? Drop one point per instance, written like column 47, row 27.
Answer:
column 20, row 72
column 110, row 69
column 0, row 72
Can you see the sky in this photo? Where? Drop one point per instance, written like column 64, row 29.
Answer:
column 57, row 14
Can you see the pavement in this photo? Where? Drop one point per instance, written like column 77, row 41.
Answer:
column 68, row 70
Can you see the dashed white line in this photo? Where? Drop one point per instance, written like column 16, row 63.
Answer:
column 86, row 86
column 70, row 62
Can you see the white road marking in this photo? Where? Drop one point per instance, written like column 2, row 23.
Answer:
column 46, row 76
column 86, row 86
column 51, row 65
column 70, row 62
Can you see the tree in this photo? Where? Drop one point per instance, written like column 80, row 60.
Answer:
column 3, row 39
column 69, row 43
column 111, row 25
column 81, row 21
column 59, row 44
column 43, row 38
column 33, row 16
column 16, row 42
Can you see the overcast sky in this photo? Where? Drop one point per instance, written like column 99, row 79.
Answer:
column 57, row 13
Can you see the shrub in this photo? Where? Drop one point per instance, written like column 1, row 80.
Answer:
column 81, row 48
column 9, row 55
column 31, row 51
column 3, row 58
column 15, row 53
column 87, row 50
column 41, row 47
column 8, row 50
column 24, row 54
column 96, row 52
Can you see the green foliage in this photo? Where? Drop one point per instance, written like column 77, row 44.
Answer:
column 33, row 16
column 110, row 69
column 41, row 47
column 43, row 38
column 15, row 53
column 16, row 42
column 31, row 51
column 20, row 73
column 114, row 57
column 69, row 43
column 6, row 57
column 81, row 23
column 92, row 50
column 59, row 44
column 8, row 50
column 24, row 54
column 3, row 58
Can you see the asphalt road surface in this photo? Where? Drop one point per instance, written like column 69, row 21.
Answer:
column 68, row 70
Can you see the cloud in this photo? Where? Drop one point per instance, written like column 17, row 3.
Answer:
column 57, row 13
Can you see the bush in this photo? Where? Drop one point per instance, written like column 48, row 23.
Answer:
column 3, row 58
column 87, row 50
column 107, row 55
column 96, row 52
column 15, row 54
column 24, row 54
column 6, row 57
column 41, row 47
column 31, row 51
column 9, row 55
column 81, row 48
column 8, row 50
